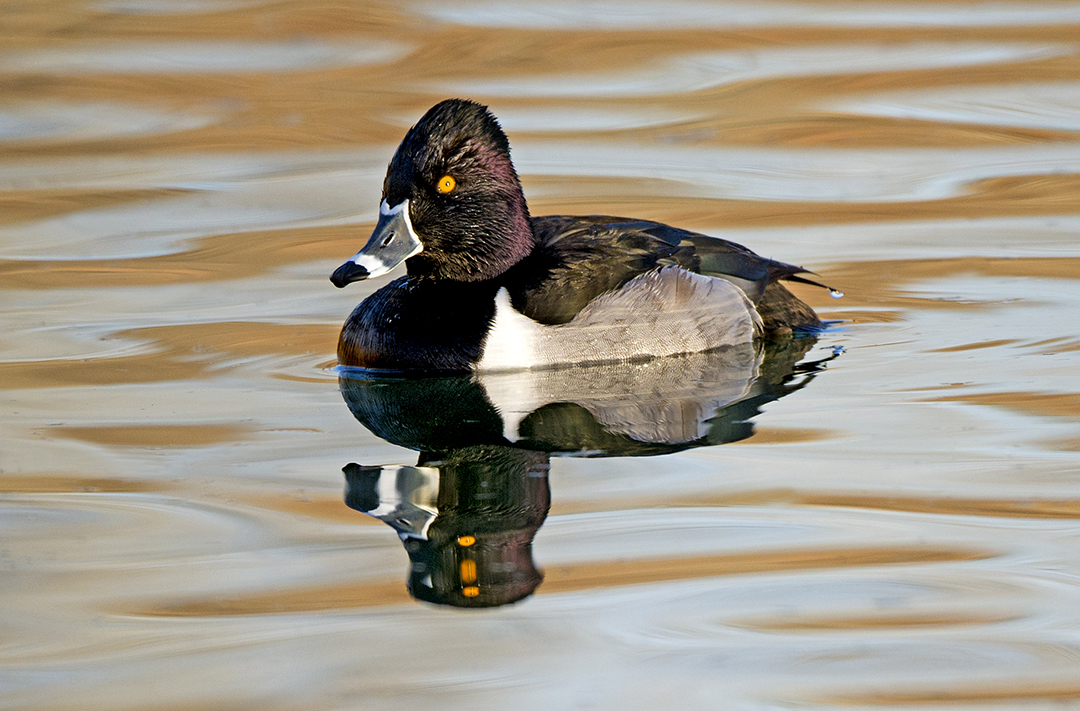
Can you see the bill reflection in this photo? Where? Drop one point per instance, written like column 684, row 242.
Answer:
column 466, row 519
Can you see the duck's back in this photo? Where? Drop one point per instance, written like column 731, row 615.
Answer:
column 578, row 259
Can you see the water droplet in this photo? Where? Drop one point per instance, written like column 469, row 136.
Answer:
column 836, row 294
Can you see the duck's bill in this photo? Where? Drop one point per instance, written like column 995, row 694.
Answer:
column 392, row 242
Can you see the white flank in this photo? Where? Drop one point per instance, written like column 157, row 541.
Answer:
column 512, row 339
column 664, row 312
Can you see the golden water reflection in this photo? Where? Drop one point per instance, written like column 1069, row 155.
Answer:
column 178, row 178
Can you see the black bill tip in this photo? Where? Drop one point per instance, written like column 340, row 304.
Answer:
column 348, row 273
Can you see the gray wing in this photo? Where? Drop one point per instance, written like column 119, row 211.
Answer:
column 579, row 258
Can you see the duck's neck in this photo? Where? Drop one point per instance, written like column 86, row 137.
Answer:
column 520, row 240
column 500, row 237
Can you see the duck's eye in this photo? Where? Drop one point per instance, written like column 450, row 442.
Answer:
column 445, row 184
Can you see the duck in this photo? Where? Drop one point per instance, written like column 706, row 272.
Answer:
column 489, row 288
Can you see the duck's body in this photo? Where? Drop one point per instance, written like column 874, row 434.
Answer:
column 489, row 288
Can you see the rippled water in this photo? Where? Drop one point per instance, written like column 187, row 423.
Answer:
column 891, row 522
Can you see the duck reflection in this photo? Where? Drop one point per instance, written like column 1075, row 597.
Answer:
column 467, row 518
column 468, row 510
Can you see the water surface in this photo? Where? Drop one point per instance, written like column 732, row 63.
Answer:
column 892, row 527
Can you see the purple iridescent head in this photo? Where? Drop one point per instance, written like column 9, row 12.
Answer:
column 452, row 204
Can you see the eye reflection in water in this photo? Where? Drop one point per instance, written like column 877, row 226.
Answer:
column 468, row 510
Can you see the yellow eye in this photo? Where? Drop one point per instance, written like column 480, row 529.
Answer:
column 471, row 591
column 445, row 184
column 466, row 541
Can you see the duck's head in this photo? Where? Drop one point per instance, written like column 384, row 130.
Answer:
column 451, row 202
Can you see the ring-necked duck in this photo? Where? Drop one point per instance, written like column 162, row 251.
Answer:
column 491, row 288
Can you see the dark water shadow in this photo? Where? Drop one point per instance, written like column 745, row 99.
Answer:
column 468, row 510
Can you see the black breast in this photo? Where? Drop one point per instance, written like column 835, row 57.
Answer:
column 419, row 324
